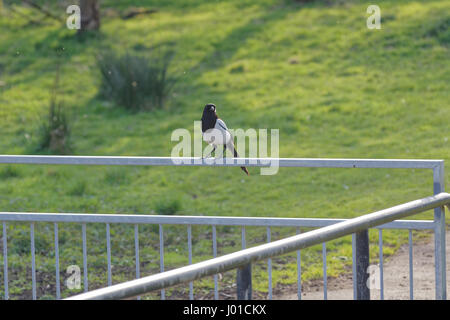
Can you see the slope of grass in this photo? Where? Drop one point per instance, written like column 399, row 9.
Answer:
column 332, row 87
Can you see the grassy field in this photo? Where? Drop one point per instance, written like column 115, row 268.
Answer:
column 333, row 88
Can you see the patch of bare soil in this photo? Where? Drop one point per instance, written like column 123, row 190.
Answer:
column 395, row 275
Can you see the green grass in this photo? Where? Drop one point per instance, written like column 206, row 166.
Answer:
column 334, row 89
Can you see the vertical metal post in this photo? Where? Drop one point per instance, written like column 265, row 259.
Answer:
column 244, row 276
column 5, row 261
column 191, row 284
column 33, row 261
column 58, row 284
column 324, row 263
column 243, row 242
column 299, row 273
column 108, row 253
column 380, row 245
column 161, row 257
column 85, row 272
column 136, row 253
column 362, row 265
column 439, row 236
column 269, row 265
column 411, row 278
column 216, row 284
column 244, row 282
column 354, row 265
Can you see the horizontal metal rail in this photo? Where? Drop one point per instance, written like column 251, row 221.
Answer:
column 244, row 257
column 199, row 220
column 227, row 162
column 438, row 223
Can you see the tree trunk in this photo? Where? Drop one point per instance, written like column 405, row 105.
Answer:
column 90, row 14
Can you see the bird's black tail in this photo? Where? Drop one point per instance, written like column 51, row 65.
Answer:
column 243, row 168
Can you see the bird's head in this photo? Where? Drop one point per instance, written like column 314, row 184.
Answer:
column 209, row 112
column 209, row 109
column 209, row 117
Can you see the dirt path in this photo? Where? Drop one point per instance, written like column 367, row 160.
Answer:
column 395, row 274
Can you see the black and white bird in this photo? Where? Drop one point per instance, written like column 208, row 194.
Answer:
column 215, row 132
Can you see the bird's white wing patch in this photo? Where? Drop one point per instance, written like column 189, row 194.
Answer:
column 220, row 125
column 219, row 135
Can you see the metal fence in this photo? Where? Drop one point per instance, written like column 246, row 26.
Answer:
column 437, row 225
column 357, row 226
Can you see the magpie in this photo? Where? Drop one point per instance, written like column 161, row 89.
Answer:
column 215, row 132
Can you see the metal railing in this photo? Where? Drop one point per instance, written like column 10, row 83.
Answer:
column 161, row 221
column 246, row 256
column 437, row 225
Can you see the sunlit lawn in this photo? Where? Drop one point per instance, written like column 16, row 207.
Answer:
column 332, row 87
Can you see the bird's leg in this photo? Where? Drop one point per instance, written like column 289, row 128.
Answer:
column 210, row 153
column 223, row 154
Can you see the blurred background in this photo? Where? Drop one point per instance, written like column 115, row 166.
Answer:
column 137, row 70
